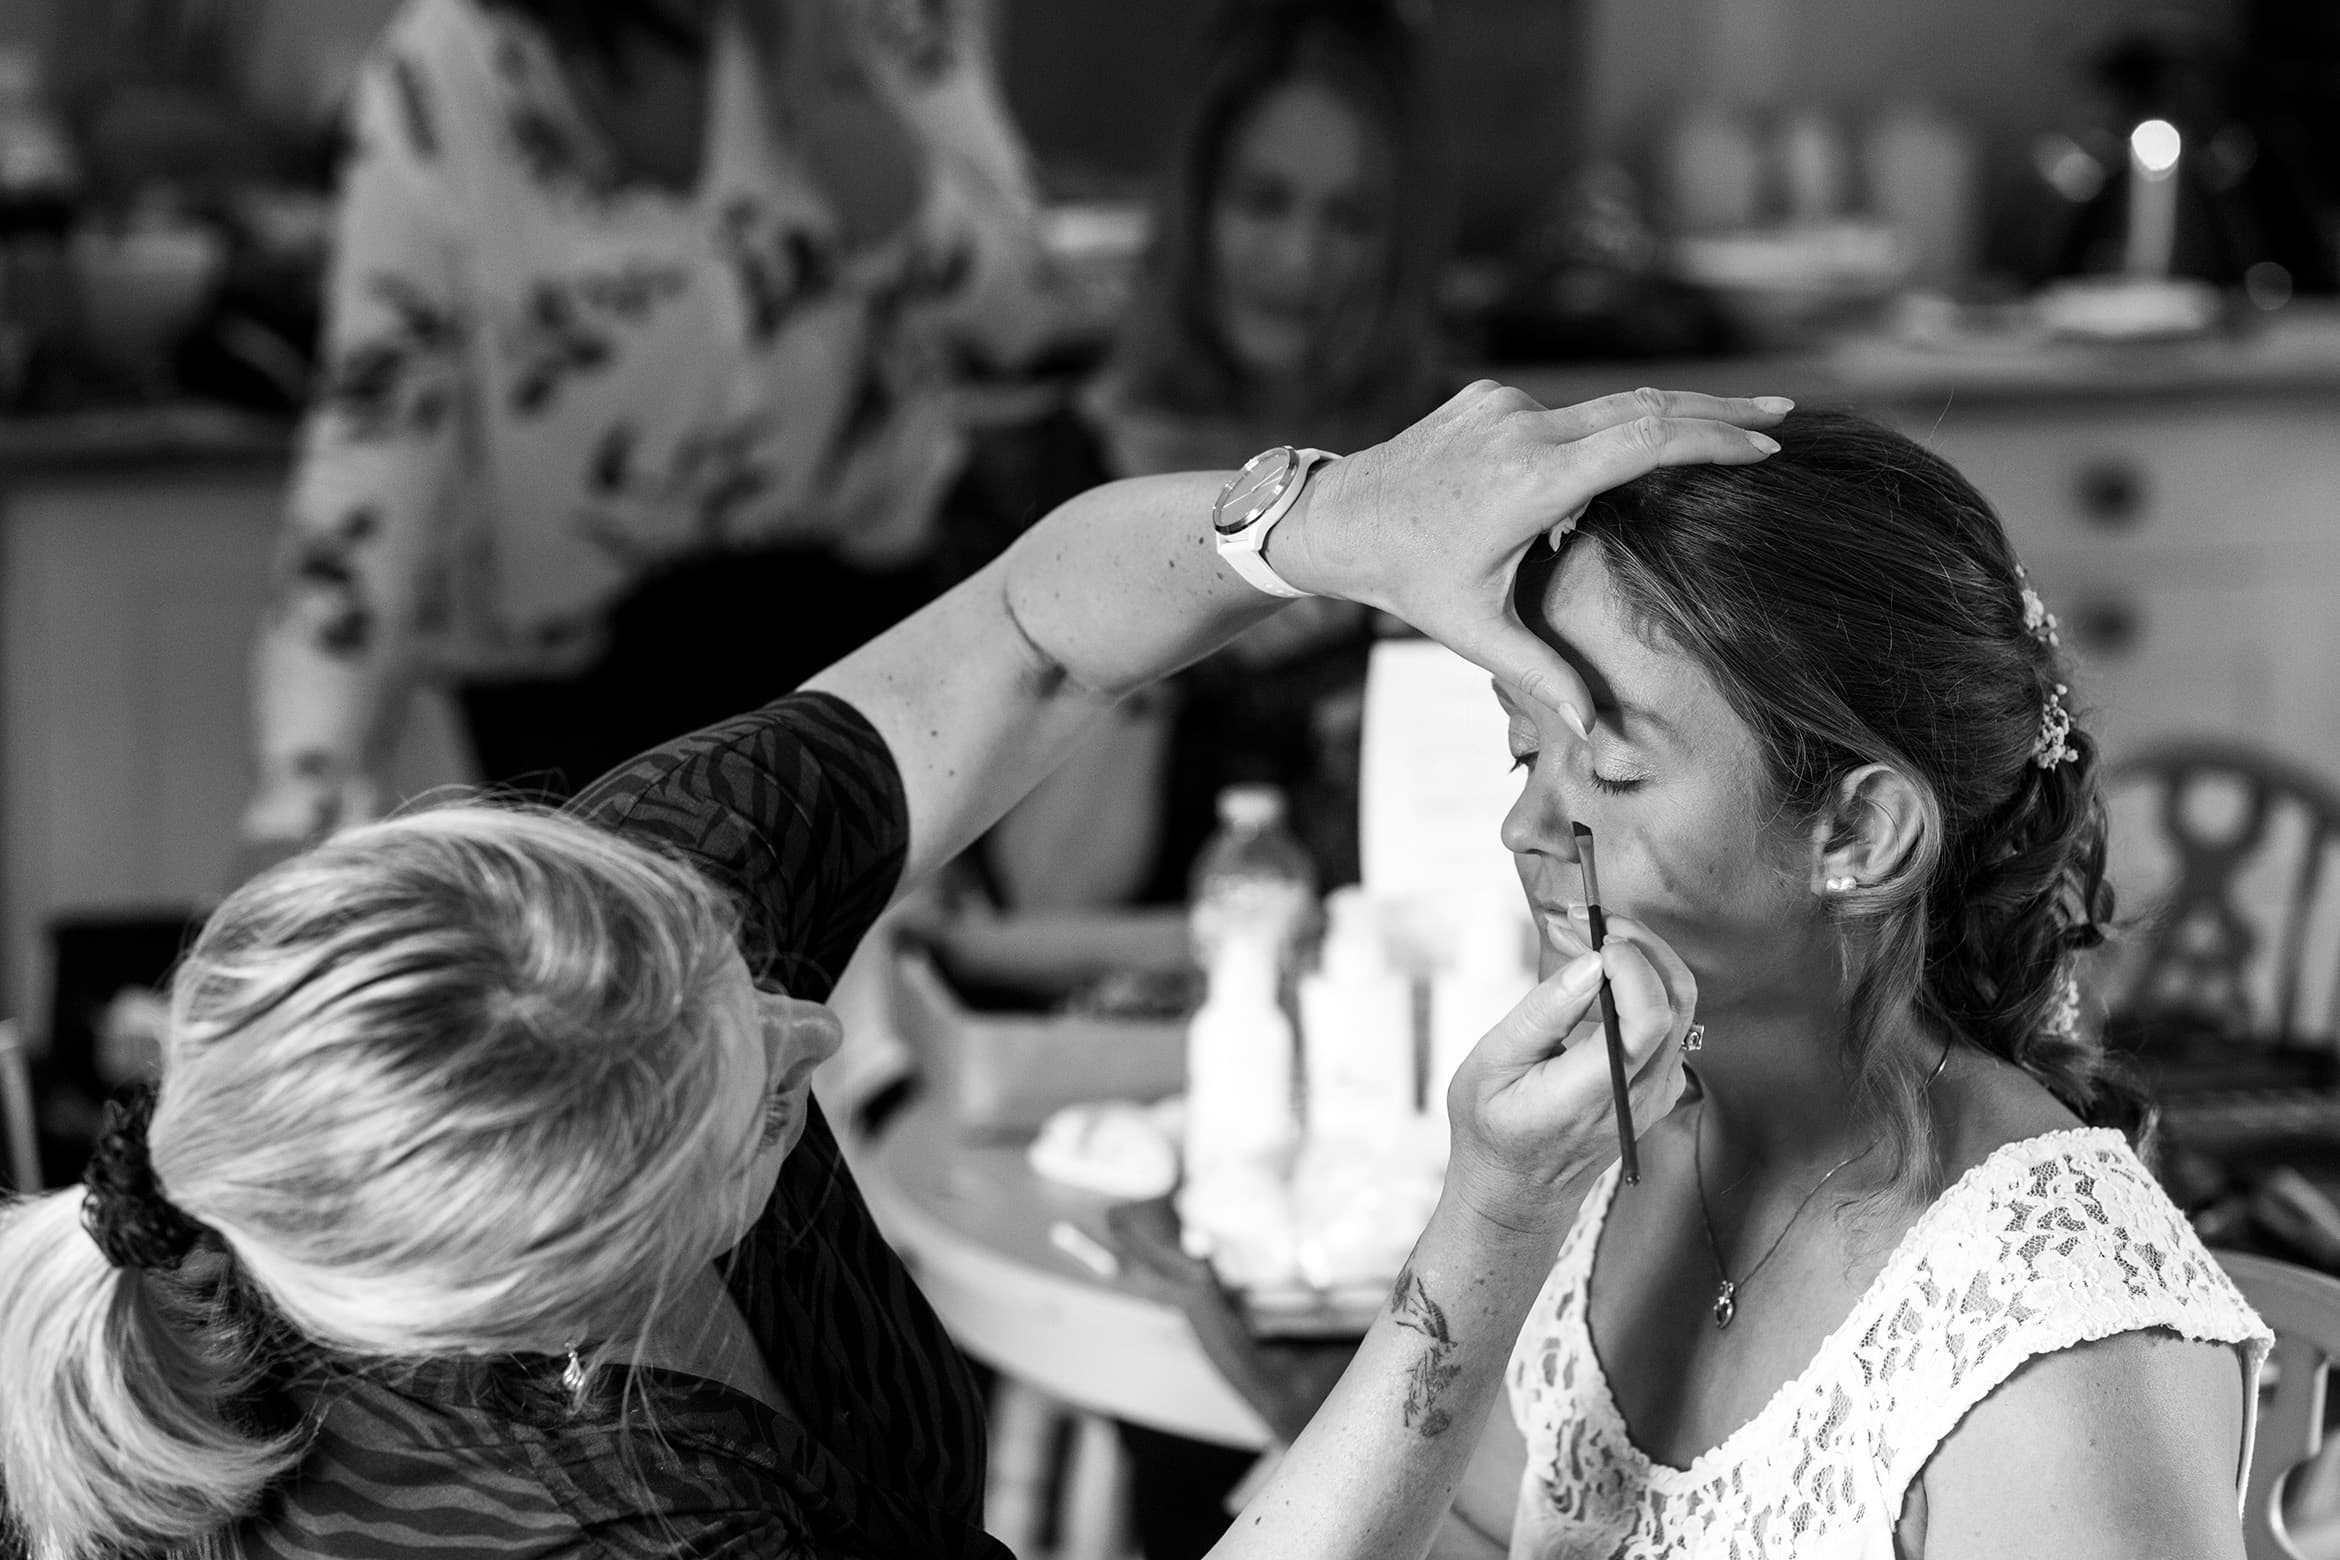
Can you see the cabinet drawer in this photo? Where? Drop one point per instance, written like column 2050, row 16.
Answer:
column 2179, row 662
column 2202, row 658
column 2259, row 478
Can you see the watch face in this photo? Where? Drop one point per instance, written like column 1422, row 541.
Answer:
column 1251, row 490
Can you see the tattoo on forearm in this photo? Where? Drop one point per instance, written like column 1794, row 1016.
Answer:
column 1411, row 1307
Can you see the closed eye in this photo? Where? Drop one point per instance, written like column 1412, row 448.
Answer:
column 1613, row 785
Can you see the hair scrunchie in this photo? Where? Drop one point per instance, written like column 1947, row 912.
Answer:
column 126, row 1213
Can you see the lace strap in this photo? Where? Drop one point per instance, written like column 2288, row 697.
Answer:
column 1534, row 1354
column 2055, row 1242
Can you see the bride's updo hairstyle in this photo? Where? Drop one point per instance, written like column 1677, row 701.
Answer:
column 1857, row 602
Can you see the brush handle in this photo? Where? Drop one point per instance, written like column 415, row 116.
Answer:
column 1628, row 1161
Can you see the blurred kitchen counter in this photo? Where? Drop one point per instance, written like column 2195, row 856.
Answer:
column 136, row 548
column 2294, row 350
column 154, row 441
column 134, row 563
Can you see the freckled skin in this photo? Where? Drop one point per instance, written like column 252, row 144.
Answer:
column 1695, row 848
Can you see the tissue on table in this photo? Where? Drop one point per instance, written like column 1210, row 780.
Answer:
column 1116, row 1147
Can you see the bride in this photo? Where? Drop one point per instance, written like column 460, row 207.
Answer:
column 1893, row 1281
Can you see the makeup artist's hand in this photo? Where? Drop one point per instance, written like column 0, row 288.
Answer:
column 1432, row 525
column 1529, row 1110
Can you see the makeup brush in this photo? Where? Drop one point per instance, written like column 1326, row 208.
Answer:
column 1599, row 926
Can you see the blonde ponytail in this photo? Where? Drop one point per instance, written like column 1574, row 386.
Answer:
column 118, row 1426
column 453, row 1084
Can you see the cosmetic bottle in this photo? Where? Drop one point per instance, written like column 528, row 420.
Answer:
column 1356, row 1027
column 1490, row 966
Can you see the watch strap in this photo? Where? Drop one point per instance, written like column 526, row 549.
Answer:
column 1245, row 549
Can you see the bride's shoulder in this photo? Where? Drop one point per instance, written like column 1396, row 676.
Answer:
column 2029, row 1195
column 2060, row 1223
column 1984, row 1107
column 2047, row 1235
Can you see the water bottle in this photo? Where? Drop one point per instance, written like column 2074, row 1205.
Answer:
column 1254, row 891
column 1253, row 881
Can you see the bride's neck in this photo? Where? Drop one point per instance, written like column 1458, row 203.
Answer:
column 1779, row 1089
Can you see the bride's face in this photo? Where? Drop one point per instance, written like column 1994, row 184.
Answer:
column 1687, row 832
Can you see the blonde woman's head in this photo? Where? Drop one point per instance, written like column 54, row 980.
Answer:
column 475, row 1080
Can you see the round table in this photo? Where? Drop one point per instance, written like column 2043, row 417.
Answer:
column 972, row 1220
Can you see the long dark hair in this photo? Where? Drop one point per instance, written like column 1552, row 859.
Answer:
column 1856, row 601
column 1172, row 354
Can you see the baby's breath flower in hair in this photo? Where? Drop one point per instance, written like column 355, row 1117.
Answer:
column 2052, row 746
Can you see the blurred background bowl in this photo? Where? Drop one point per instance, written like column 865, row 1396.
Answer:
column 1785, row 285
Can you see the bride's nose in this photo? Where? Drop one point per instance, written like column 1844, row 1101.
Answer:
column 1538, row 824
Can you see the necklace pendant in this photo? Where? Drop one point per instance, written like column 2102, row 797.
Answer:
column 1726, row 1304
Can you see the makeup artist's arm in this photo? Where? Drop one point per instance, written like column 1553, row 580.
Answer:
column 981, row 694
column 1486, row 1498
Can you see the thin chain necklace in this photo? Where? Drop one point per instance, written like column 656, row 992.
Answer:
column 1726, row 1294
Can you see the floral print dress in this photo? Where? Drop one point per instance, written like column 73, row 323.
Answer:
column 541, row 382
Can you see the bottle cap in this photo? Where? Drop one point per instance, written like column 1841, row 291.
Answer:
column 1251, row 806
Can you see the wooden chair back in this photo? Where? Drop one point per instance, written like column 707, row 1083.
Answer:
column 2238, row 933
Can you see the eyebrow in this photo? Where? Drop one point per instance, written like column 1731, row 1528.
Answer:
column 1628, row 712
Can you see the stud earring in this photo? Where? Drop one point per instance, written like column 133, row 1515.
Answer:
column 1841, row 885
column 1694, row 1040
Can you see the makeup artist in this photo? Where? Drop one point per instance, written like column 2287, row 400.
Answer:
column 483, row 1206
column 647, row 321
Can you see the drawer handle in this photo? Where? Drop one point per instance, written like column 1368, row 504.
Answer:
column 2112, row 493
column 2107, row 625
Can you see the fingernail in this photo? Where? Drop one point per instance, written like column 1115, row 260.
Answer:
column 1777, row 404
column 1568, row 713
column 1583, row 973
column 1764, row 442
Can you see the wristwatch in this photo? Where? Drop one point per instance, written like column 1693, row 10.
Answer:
column 1251, row 503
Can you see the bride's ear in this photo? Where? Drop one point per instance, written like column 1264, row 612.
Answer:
column 1871, row 832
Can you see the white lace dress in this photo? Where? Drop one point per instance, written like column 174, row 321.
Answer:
column 2051, row 1241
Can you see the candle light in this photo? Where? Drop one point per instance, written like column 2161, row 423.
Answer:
column 2153, row 191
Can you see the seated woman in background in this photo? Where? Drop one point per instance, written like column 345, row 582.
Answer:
column 1894, row 1280
column 1288, row 298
